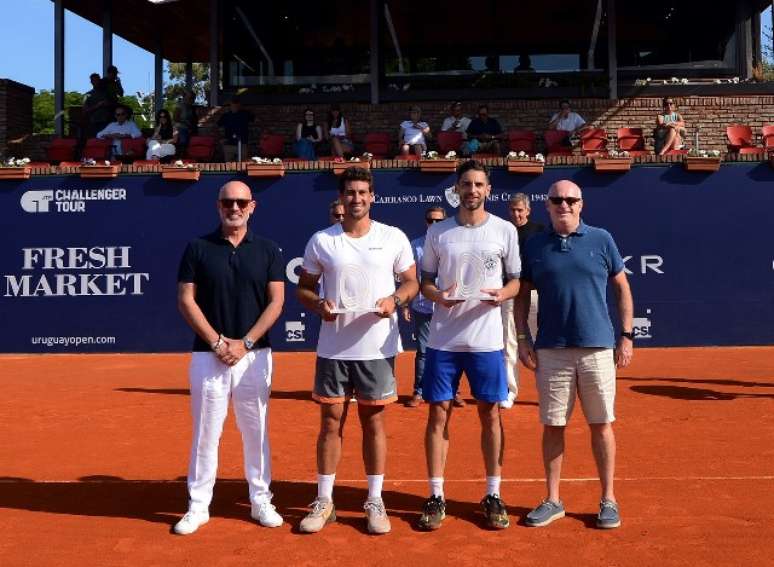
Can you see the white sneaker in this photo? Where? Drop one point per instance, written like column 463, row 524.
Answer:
column 266, row 515
column 191, row 522
column 508, row 403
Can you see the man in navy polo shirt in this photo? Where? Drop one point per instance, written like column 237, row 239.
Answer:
column 575, row 353
column 231, row 287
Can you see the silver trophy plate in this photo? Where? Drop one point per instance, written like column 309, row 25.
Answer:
column 470, row 279
column 354, row 291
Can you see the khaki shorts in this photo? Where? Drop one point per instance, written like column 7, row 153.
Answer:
column 564, row 373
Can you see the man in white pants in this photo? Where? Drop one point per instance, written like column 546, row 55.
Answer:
column 230, row 291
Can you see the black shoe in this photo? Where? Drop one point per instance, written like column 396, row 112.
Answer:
column 433, row 513
column 495, row 512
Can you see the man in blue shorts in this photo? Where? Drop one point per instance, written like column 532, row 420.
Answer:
column 469, row 255
column 575, row 354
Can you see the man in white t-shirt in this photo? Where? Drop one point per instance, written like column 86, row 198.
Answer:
column 471, row 255
column 413, row 133
column 359, row 339
column 566, row 120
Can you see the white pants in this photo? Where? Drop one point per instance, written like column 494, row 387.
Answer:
column 159, row 150
column 510, row 344
column 212, row 384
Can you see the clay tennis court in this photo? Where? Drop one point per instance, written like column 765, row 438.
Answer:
column 95, row 448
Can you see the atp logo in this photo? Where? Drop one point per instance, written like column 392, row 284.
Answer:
column 36, row 201
column 452, row 197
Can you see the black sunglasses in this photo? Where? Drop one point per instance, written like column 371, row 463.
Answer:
column 431, row 220
column 229, row 203
column 569, row 200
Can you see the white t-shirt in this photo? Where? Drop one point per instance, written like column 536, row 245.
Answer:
column 411, row 134
column 462, row 125
column 570, row 123
column 370, row 263
column 473, row 325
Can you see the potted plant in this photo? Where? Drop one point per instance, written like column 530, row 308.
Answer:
column 15, row 169
column 264, row 167
column 180, row 171
column 702, row 160
column 92, row 169
column 522, row 162
column 363, row 161
column 433, row 163
column 614, row 161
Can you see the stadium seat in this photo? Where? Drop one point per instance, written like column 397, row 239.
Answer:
column 631, row 140
column 521, row 141
column 97, row 149
column 378, row 144
column 449, row 142
column 61, row 149
column 554, row 143
column 134, row 147
column 271, row 145
column 594, row 142
column 767, row 137
column 740, row 140
column 201, row 148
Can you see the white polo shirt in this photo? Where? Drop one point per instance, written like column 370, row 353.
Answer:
column 473, row 325
column 413, row 135
column 570, row 123
column 369, row 263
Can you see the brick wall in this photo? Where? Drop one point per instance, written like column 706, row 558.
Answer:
column 710, row 114
column 15, row 112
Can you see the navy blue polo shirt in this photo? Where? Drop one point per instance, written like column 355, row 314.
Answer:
column 231, row 281
column 571, row 274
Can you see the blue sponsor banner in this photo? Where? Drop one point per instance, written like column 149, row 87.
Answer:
column 90, row 266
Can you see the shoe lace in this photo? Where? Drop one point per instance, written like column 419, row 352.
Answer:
column 375, row 505
column 433, row 505
column 493, row 504
column 265, row 507
column 318, row 506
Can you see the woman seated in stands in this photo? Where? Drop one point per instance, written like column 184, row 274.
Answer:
column 338, row 132
column 162, row 143
column 413, row 134
column 308, row 135
column 670, row 128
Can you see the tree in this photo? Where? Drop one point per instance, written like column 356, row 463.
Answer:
column 174, row 89
column 43, row 109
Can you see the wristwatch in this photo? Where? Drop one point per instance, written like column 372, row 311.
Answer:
column 629, row 335
column 397, row 300
column 248, row 343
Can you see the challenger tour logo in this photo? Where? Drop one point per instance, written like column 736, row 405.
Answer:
column 67, row 200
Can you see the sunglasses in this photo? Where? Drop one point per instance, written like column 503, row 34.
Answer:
column 569, row 200
column 337, row 215
column 229, row 203
column 431, row 221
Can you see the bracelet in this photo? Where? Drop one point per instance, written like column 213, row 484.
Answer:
column 217, row 344
column 522, row 337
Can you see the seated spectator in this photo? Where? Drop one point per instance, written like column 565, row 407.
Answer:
column 308, row 135
column 670, row 128
column 484, row 133
column 97, row 108
column 165, row 136
column 456, row 122
column 236, row 127
column 338, row 133
column 566, row 120
column 123, row 127
column 187, row 118
column 413, row 134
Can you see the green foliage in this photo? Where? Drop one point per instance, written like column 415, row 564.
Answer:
column 174, row 89
column 43, row 109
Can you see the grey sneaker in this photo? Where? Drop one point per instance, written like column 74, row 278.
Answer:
column 544, row 514
column 376, row 516
column 608, row 516
column 323, row 512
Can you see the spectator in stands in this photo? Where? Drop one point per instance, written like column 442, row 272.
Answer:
column 113, row 86
column 96, row 107
column 457, row 122
column 163, row 142
column 187, row 118
column 566, row 120
column 236, row 126
column 123, row 127
column 308, row 135
column 670, row 128
column 525, row 64
column 484, row 133
column 413, row 134
column 337, row 129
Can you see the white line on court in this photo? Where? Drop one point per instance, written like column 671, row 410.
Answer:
column 395, row 481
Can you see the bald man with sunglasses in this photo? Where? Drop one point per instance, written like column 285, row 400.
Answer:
column 575, row 353
column 231, row 287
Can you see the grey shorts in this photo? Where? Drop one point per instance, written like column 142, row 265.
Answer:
column 371, row 381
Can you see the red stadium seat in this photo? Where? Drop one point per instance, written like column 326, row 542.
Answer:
column 767, row 137
column 521, row 141
column 631, row 140
column 133, row 147
column 740, row 140
column 594, row 142
column 271, row 145
column 554, row 143
column 378, row 144
column 97, row 149
column 61, row 149
column 201, row 148
column 449, row 142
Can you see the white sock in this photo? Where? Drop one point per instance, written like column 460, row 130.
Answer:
column 493, row 485
column 436, row 486
column 375, row 482
column 325, row 485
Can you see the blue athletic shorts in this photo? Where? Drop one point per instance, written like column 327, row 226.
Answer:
column 485, row 371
